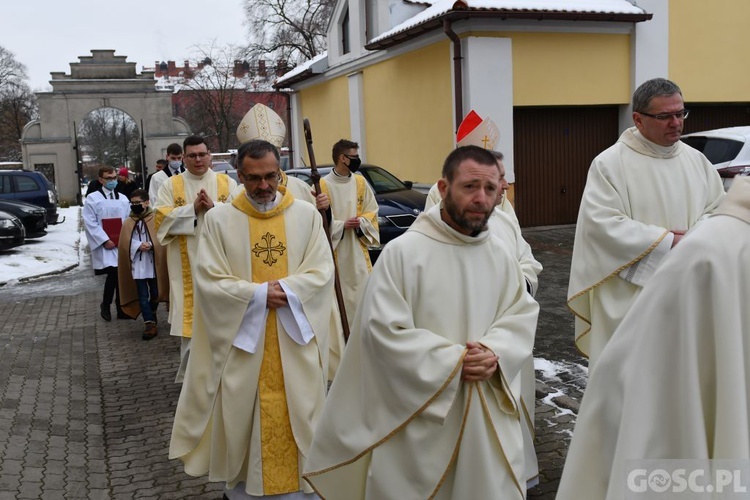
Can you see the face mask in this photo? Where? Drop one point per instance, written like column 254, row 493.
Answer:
column 175, row 164
column 354, row 164
column 137, row 209
column 111, row 185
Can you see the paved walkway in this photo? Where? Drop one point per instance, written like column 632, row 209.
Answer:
column 86, row 406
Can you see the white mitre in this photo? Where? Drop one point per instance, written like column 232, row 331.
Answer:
column 261, row 122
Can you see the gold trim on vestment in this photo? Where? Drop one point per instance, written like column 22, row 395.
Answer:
column 178, row 194
column 395, row 431
column 521, row 489
column 600, row 283
column 457, row 446
column 361, row 186
column 269, row 262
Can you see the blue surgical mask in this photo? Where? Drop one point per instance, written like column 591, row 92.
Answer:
column 175, row 164
column 111, row 185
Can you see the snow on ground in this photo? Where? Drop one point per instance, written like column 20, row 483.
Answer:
column 59, row 250
column 553, row 370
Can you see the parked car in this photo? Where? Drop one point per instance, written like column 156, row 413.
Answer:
column 398, row 204
column 12, row 232
column 31, row 187
column 33, row 218
column 221, row 166
column 727, row 148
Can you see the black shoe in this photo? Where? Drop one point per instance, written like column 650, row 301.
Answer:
column 105, row 312
column 122, row 315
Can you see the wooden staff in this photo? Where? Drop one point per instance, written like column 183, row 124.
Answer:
column 315, row 176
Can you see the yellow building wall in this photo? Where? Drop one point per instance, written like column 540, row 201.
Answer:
column 327, row 107
column 561, row 69
column 707, row 45
column 408, row 109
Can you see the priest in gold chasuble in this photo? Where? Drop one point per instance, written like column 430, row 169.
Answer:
column 256, row 378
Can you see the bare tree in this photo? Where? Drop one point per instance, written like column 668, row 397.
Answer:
column 211, row 99
column 292, row 31
column 108, row 136
column 17, row 105
column 12, row 72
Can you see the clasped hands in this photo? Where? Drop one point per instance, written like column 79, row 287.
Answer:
column 202, row 202
column 479, row 363
column 276, row 296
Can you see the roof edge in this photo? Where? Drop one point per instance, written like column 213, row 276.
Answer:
column 460, row 15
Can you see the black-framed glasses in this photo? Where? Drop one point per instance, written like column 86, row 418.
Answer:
column 193, row 156
column 680, row 115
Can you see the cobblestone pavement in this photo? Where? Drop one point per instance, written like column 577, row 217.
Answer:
column 86, row 406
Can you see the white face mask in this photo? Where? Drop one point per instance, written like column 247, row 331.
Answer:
column 175, row 164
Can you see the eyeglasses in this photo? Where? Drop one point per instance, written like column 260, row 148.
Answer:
column 109, row 178
column 193, row 156
column 680, row 115
column 255, row 179
column 351, row 157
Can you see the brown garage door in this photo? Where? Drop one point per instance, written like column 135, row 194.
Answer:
column 553, row 149
column 710, row 116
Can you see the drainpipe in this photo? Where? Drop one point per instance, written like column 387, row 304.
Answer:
column 290, row 127
column 457, row 73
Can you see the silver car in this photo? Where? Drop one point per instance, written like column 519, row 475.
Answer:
column 728, row 149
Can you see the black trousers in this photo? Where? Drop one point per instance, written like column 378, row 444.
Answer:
column 111, row 290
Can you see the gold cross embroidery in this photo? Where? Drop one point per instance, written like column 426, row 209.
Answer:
column 179, row 202
column 269, row 249
column 485, row 140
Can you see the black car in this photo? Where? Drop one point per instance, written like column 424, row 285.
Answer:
column 32, row 187
column 398, row 204
column 33, row 218
column 12, row 233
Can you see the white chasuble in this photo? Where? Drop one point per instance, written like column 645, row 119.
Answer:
column 178, row 228
column 399, row 421
column 352, row 197
column 636, row 193
column 672, row 383
column 249, row 416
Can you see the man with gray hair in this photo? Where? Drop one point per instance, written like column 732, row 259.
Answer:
column 641, row 196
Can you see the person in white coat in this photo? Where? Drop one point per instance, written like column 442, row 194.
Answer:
column 103, row 214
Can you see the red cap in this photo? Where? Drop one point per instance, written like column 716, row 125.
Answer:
column 123, row 172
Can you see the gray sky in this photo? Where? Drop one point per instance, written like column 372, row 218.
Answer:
column 47, row 35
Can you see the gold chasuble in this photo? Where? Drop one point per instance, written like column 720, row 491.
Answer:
column 269, row 263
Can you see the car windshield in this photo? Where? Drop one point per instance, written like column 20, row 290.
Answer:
column 717, row 149
column 382, row 181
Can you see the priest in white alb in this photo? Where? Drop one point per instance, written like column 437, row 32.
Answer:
column 426, row 403
column 504, row 224
column 672, row 382
column 181, row 207
column 354, row 227
column 641, row 196
column 256, row 378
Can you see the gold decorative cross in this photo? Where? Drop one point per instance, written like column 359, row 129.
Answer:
column 269, row 249
column 485, row 140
